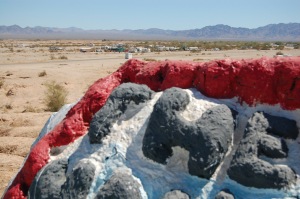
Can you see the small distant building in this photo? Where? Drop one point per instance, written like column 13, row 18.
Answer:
column 132, row 50
column 84, row 50
column 98, row 50
column 117, row 49
column 289, row 46
column 106, row 47
column 20, row 45
column 139, row 50
column 55, row 48
column 147, row 50
column 160, row 48
column 143, row 50
column 91, row 45
column 193, row 48
column 274, row 45
column 173, row 48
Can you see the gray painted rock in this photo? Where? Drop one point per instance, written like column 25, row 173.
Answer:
column 120, row 186
column 224, row 194
column 247, row 169
column 281, row 126
column 125, row 100
column 207, row 139
column 79, row 182
column 176, row 194
column 235, row 116
column 48, row 182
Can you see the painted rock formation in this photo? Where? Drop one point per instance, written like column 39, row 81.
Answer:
column 174, row 129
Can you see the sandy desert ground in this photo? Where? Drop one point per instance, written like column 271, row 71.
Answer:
column 22, row 108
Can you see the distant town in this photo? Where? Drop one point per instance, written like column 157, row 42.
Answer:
column 193, row 46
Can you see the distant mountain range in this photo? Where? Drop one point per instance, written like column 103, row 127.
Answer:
column 272, row 32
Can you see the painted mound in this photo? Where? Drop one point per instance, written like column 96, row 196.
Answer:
column 174, row 129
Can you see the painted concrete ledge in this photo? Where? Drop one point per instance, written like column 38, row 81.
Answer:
column 254, row 81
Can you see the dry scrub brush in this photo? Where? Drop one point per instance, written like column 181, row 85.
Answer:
column 42, row 74
column 149, row 59
column 62, row 57
column 55, row 96
column 1, row 83
column 52, row 57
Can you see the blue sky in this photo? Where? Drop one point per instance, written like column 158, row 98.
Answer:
column 141, row 14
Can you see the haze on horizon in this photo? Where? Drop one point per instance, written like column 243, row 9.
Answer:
column 136, row 14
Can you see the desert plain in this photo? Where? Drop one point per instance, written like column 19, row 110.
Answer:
column 26, row 66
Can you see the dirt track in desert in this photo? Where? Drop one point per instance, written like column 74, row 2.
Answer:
column 22, row 108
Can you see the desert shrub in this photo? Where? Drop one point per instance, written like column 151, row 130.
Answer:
column 1, row 83
column 265, row 47
column 280, row 47
column 55, row 96
column 149, row 59
column 30, row 109
column 52, row 57
column 62, row 57
column 4, row 131
column 42, row 74
column 279, row 53
column 10, row 149
column 198, row 59
column 195, row 51
column 9, row 73
column 10, row 92
column 8, row 106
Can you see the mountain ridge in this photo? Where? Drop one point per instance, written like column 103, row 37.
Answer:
column 280, row 31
